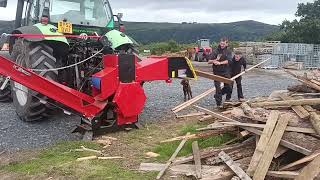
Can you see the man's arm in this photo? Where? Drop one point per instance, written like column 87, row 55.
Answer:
column 228, row 59
column 244, row 64
column 213, row 57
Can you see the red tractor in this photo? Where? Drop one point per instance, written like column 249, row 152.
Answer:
column 203, row 50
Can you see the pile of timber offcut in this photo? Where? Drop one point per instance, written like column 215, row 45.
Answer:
column 278, row 138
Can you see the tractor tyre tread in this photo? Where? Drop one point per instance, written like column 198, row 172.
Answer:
column 37, row 56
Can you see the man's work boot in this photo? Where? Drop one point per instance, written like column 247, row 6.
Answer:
column 242, row 100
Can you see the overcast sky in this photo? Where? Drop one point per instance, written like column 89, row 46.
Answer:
column 202, row 11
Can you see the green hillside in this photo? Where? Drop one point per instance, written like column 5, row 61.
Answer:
column 147, row 32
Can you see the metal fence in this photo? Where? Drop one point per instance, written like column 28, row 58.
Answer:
column 282, row 53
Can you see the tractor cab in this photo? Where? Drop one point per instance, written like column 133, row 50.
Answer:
column 70, row 16
column 203, row 43
column 203, row 50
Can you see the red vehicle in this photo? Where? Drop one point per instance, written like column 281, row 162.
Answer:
column 203, row 50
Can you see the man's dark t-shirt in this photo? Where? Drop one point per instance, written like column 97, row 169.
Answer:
column 236, row 65
column 226, row 54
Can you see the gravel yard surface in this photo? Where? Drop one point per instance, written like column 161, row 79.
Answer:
column 18, row 135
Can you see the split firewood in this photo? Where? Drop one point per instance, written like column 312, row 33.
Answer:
column 199, row 136
column 87, row 158
column 152, row 155
column 89, row 150
column 99, row 158
column 110, row 158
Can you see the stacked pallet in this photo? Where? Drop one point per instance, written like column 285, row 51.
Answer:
column 278, row 137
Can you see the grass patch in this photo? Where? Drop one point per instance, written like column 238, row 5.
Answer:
column 167, row 149
column 60, row 161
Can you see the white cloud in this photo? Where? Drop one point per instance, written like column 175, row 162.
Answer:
column 205, row 11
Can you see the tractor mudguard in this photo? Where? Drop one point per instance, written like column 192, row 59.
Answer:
column 118, row 38
column 39, row 29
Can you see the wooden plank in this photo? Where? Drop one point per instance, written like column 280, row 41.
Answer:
column 234, row 167
column 258, row 132
column 288, row 103
column 271, row 148
column 193, row 100
column 262, row 126
column 174, row 155
column 263, row 141
column 300, row 161
column 251, row 68
column 213, row 77
column 311, row 170
column 314, row 119
column 301, row 112
column 191, row 115
column 196, row 136
column 196, row 157
column 283, row 174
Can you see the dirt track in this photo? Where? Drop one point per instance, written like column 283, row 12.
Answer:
column 17, row 135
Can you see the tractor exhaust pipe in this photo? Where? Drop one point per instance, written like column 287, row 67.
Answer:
column 19, row 12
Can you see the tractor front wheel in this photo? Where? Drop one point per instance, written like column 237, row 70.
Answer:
column 27, row 102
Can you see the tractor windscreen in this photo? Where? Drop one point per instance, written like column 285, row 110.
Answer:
column 82, row 12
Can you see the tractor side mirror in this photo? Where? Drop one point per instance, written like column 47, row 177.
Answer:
column 120, row 15
column 3, row 3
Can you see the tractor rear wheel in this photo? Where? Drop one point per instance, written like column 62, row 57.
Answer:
column 27, row 102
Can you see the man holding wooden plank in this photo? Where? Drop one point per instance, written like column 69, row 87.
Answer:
column 221, row 59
